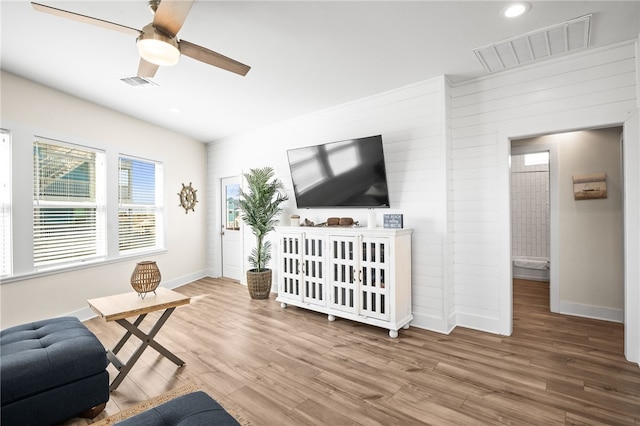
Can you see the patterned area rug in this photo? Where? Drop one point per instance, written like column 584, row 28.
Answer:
column 154, row 402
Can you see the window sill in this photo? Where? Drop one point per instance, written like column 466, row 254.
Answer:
column 86, row 265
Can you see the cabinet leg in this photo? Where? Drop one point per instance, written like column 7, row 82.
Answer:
column 393, row 333
column 406, row 327
column 331, row 318
column 283, row 305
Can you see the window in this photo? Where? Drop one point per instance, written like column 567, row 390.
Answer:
column 536, row 159
column 233, row 208
column 69, row 223
column 5, row 194
column 140, row 201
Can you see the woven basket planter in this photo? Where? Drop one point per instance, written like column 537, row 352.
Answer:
column 259, row 283
column 145, row 277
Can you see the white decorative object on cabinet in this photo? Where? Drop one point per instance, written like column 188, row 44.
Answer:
column 353, row 273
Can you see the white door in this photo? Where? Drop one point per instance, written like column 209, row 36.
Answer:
column 230, row 229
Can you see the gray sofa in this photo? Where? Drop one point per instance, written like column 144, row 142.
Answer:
column 51, row 371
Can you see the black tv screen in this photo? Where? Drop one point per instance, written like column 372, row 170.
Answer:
column 348, row 173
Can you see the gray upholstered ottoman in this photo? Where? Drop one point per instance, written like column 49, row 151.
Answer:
column 50, row 371
column 193, row 409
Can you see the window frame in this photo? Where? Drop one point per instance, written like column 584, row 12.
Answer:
column 157, row 206
column 6, row 217
column 63, row 203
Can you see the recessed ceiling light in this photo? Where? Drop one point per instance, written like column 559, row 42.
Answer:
column 175, row 110
column 515, row 9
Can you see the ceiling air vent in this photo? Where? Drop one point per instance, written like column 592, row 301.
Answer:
column 535, row 45
column 138, row 81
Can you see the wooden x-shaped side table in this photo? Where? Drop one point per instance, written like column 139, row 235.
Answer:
column 122, row 306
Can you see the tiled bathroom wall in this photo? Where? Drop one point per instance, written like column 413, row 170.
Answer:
column 529, row 208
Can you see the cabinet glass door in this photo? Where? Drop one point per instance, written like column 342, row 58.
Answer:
column 342, row 290
column 374, row 288
column 313, row 269
column 290, row 252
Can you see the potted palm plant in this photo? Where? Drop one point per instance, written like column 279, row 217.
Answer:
column 261, row 206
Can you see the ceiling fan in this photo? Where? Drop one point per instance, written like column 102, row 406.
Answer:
column 157, row 42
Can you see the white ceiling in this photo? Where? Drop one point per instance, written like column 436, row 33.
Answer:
column 305, row 55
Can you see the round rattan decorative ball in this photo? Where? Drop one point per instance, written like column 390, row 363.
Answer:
column 145, row 277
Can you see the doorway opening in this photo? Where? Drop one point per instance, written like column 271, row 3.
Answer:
column 530, row 227
column 585, row 240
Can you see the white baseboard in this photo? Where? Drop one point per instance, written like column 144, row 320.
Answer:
column 186, row 279
column 426, row 322
column 451, row 324
column 593, row 312
column 476, row 322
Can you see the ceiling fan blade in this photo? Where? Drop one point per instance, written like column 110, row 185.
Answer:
column 147, row 69
column 86, row 19
column 210, row 57
column 171, row 14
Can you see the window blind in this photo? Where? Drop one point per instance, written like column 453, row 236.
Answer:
column 5, row 195
column 140, row 205
column 68, row 212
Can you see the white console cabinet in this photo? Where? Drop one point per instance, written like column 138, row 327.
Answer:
column 353, row 273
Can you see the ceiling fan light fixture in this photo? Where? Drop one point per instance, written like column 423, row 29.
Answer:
column 157, row 48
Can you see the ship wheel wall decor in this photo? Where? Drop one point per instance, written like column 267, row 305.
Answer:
column 188, row 198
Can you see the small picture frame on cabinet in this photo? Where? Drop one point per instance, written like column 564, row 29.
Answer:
column 393, row 221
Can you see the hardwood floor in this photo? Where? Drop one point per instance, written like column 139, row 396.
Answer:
column 276, row 366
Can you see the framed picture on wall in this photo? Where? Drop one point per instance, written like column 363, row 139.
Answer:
column 590, row 186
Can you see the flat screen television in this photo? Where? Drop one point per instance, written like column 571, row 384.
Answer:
column 349, row 173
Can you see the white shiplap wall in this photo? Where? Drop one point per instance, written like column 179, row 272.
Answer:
column 415, row 129
column 447, row 150
column 450, row 298
column 593, row 89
